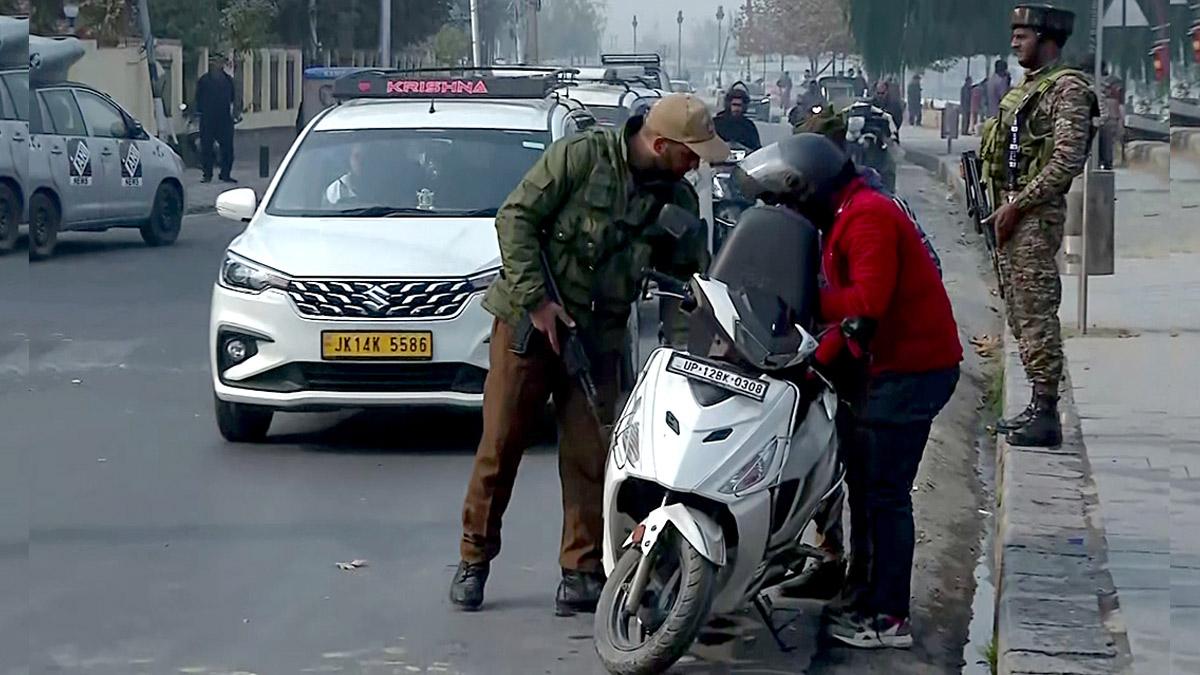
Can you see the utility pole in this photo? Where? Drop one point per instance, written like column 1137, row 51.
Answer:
column 160, row 112
column 720, row 50
column 1082, row 300
column 533, row 19
column 385, row 33
column 679, row 60
column 476, row 47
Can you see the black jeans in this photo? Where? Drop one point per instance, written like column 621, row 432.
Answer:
column 882, row 450
column 222, row 133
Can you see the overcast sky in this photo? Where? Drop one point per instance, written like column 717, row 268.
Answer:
column 660, row 12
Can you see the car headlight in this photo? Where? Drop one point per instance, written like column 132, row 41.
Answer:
column 482, row 281
column 754, row 472
column 243, row 275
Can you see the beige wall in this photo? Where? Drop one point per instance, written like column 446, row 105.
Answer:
column 122, row 73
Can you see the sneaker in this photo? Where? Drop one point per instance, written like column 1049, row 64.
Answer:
column 578, row 593
column 874, row 633
column 466, row 591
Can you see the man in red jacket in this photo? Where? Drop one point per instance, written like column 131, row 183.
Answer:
column 875, row 268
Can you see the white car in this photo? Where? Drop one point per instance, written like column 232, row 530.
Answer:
column 359, row 279
column 614, row 103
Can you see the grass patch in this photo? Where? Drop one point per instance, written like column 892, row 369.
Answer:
column 991, row 653
column 995, row 391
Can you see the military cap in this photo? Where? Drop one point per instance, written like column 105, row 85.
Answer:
column 1044, row 17
column 828, row 122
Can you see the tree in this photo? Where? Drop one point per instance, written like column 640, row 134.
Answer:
column 451, row 46
column 248, row 24
column 571, row 29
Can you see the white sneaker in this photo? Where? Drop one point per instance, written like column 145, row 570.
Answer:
column 877, row 633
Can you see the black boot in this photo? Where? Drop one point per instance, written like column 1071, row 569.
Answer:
column 1043, row 430
column 820, row 581
column 579, row 592
column 466, row 591
column 1020, row 419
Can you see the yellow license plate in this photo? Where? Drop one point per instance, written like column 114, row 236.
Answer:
column 377, row 345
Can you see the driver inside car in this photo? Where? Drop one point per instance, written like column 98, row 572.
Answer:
column 876, row 272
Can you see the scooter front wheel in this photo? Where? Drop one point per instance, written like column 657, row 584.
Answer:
column 670, row 613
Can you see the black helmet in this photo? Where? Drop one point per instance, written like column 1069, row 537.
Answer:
column 803, row 172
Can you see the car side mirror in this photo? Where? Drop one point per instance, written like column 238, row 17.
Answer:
column 239, row 204
column 678, row 221
column 136, row 130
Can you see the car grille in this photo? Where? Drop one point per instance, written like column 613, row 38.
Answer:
column 395, row 299
column 369, row 377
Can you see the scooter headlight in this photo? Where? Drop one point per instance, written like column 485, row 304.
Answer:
column 754, row 472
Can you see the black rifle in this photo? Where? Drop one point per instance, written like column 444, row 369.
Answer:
column 979, row 207
column 574, row 355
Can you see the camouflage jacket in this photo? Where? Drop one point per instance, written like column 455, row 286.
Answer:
column 580, row 202
column 1054, row 107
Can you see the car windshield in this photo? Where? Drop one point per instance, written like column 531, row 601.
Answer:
column 391, row 172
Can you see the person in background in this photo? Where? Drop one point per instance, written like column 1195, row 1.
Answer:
column 808, row 100
column 860, row 83
column 964, row 101
column 976, row 105
column 784, row 83
column 215, row 100
column 997, row 86
column 914, row 101
column 732, row 124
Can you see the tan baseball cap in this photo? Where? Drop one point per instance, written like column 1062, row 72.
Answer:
column 683, row 118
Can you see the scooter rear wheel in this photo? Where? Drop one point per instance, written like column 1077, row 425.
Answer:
column 673, row 609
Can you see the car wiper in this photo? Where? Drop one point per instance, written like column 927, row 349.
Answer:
column 380, row 212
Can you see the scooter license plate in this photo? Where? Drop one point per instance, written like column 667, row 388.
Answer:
column 695, row 369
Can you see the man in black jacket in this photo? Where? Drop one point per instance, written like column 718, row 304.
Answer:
column 215, row 98
column 732, row 124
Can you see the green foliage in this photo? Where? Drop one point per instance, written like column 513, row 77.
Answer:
column 571, row 29
column 451, row 45
column 248, row 24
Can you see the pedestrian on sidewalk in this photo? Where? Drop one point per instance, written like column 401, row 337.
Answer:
column 964, row 102
column 599, row 193
column 875, row 268
column 997, row 86
column 215, row 100
column 1031, row 168
column 914, row 101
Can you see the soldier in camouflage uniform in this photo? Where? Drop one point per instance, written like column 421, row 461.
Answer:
column 591, row 203
column 1031, row 153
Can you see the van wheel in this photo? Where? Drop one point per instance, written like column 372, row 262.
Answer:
column 166, row 218
column 44, row 222
column 241, row 423
column 9, row 215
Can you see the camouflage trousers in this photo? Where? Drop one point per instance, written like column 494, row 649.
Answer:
column 1033, row 292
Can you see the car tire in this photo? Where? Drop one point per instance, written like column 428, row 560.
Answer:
column 45, row 219
column 10, row 216
column 166, row 217
column 241, row 423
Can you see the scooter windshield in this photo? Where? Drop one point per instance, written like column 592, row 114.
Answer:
column 766, row 334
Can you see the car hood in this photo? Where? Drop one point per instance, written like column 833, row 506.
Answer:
column 371, row 247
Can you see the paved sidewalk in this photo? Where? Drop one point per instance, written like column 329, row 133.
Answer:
column 1135, row 381
column 202, row 197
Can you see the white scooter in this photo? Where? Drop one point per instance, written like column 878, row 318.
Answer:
column 721, row 455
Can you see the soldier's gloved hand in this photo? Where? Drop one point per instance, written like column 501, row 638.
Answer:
column 546, row 317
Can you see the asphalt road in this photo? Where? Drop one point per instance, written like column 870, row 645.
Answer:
column 134, row 540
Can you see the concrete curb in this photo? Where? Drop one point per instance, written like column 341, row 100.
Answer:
column 1154, row 155
column 1056, row 605
column 941, row 168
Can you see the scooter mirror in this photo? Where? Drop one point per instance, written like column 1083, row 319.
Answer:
column 678, row 221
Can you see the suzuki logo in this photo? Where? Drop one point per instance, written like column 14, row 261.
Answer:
column 378, row 298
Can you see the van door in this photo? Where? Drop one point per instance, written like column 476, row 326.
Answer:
column 106, row 128
column 75, row 165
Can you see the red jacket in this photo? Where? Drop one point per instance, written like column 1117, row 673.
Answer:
column 874, row 265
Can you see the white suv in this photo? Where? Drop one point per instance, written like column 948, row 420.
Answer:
column 359, row 279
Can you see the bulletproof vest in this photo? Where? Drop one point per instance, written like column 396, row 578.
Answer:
column 1016, row 145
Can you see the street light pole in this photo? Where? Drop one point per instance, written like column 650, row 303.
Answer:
column 679, row 60
column 385, row 33
column 635, row 32
column 1082, row 304
column 720, row 51
column 476, row 47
